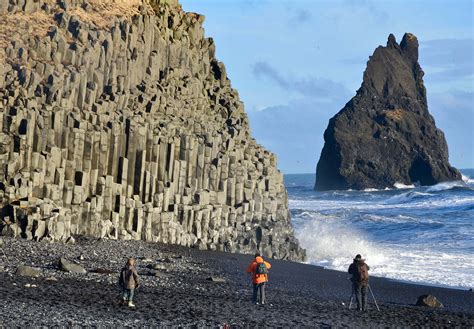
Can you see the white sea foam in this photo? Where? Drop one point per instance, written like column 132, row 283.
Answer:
column 426, row 266
column 399, row 219
column 332, row 244
column 407, row 196
column 397, row 186
column 446, row 186
column 467, row 179
column 370, row 189
column 403, row 201
column 401, row 186
column 419, row 234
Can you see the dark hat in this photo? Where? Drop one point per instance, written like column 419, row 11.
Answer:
column 358, row 256
column 257, row 253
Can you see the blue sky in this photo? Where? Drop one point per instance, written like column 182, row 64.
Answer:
column 296, row 63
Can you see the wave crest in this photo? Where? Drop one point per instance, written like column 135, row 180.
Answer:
column 331, row 244
column 401, row 186
column 446, row 186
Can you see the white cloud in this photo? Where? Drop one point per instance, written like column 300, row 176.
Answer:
column 449, row 59
column 319, row 88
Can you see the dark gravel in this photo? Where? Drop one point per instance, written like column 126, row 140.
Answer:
column 177, row 292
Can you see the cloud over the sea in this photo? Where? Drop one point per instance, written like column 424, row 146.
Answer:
column 300, row 16
column 454, row 114
column 294, row 131
column 302, row 58
column 312, row 87
column 449, row 59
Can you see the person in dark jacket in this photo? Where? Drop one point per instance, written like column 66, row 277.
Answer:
column 128, row 281
column 360, row 280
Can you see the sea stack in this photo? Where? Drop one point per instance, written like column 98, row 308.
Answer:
column 119, row 122
column 385, row 134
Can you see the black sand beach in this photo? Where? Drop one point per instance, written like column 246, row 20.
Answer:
column 178, row 293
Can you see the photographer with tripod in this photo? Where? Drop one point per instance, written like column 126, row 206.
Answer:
column 360, row 281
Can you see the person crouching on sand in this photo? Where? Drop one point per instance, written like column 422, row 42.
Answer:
column 259, row 271
column 360, row 280
column 128, row 281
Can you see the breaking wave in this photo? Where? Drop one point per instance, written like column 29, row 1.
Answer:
column 404, row 234
column 402, row 186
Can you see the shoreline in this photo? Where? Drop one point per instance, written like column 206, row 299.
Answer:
column 419, row 236
column 427, row 284
column 176, row 291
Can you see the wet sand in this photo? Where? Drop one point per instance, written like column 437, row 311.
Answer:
column 177, row 291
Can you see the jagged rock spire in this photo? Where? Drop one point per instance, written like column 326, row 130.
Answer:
column 385, row 134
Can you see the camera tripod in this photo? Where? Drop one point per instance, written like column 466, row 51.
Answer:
column 353, row 294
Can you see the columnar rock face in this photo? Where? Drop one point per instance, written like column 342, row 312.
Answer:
column 385, row 134
column 118, row 122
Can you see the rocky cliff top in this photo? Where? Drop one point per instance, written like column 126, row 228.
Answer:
column 385, row 134
column 37, row 18
column 119, row 122
column 393, row 70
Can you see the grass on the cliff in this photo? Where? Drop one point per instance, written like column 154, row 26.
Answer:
column 101, row 14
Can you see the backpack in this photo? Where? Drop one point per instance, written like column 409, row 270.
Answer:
column 120, row 279
column 363, row 272
column 261, row 268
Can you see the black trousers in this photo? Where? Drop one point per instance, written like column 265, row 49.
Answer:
column 360, row 292
column 259, row 291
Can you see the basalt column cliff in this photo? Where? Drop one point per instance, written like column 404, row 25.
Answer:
column 118, row 122
column 385, row 134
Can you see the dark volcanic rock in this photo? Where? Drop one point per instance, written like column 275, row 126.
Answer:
column 385, row 134
column 119, row 122
column 216, row 279
column 28, row 271
column 67, row 266
column 429, row 301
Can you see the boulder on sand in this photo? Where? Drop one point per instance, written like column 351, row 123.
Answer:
column 429, row 301
column 158, row 267
column 65, row 265
column 216, row 279
column 29, row 271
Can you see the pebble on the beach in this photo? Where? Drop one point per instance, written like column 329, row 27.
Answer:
column 67, row 266
column 28, row 271
column 70, row 296
column 429, row 301
column 216, row 279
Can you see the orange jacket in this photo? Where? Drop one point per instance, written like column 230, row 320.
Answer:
column 258, row 278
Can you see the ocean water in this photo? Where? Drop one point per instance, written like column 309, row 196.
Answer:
column 416, row 234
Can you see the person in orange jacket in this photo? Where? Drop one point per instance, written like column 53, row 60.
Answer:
column 259, row 270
